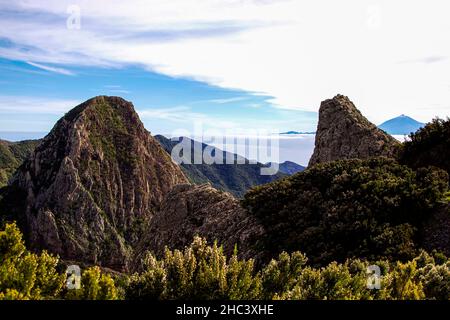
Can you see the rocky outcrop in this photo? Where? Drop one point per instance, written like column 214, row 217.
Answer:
column 344, row 133
column 94, row 183
column 191, row 210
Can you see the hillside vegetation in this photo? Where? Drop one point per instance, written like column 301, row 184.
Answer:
column 349, row 208
column 202, row 271
column 12, row 154
column 429, row 146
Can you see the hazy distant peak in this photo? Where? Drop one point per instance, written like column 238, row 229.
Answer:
column 401, row 125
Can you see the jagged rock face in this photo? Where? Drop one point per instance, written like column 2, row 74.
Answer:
column 94, row 183
column 344, row 133
column 201, row 210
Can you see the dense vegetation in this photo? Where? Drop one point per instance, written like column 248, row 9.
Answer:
column 201, row 271
column 429, row 146
column 352, row 208
column 234, row 178
column 204, row 272
column 25, row 275
column 12, row 155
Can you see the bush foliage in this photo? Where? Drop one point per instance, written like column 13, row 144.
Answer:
column 368, row 209
column 29, row 276
column 429, row 146
column 204, row 272
column 25, row 275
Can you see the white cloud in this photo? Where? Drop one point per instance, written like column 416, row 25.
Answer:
column 112, row 86
column 227, row 100
column 172, row 113
column 299, row 52
column 183, row 115
column 33, row 105
column 119, row 91
column 254, row 105
column 51, row 69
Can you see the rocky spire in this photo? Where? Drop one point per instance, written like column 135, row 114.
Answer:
column 344, row 133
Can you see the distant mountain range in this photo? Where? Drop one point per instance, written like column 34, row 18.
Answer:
column 234, row 178
column 402, row 125
column 288, row 167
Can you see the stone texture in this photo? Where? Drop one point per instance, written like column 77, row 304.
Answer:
column 344, row 133
column 191, row 210
column 94, row 183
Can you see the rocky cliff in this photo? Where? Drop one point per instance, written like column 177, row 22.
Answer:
column 94, row 183
column 191, row 210
column 344, row 133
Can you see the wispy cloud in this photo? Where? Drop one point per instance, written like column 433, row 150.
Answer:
column 120, row 91
column 112, row 86
column 227, row 100
column 22, row 70
column 427, row 60
column 34, row 105
column 184, row 115
column 115, row 88
column 254, row 105
column 172, row 113
column 51, row 69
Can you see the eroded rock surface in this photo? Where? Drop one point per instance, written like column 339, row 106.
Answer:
column 344, row 133
column 191, row 210
column 94, row 183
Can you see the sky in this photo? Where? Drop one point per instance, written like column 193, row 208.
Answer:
column 223, row 64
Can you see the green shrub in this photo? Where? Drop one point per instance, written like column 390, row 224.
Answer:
column 198, row 272
column 29, row 276
column 95, row 285
column 281, row 275
column 25, row 275
column 429, row 146
column 204, row 272
column 368, row 209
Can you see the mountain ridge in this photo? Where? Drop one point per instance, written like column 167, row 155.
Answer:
column 288, row 167
column 235, row 178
